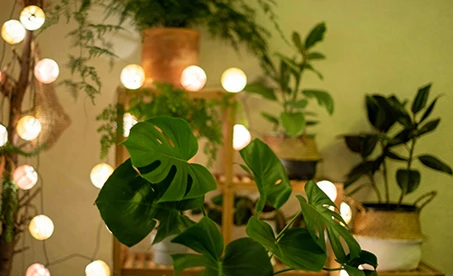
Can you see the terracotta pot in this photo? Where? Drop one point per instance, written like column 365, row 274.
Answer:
column 167, row 52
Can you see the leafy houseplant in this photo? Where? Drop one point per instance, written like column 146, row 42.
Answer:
column 386, row 114
column 292, row 144
column 157, row 184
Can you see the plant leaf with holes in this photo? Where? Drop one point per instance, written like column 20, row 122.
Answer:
column 129, row 206
column 161, row 144
column 269, row 174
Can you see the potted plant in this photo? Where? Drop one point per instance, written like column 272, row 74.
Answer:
column 291, row 141
column 157, row 185
column 390, row 227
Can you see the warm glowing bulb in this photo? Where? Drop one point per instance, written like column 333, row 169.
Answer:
column 344, row 273
column 346, row 212
column 41, row 227
column 234, row 80
column 328, row 188
column 46, row 70
column 97, row 268
column 3, row 135
column 25, row 177
column 13, row 31
column 133, row 76
column 128, row 122
column 37, row 270
column 32, row 17
column 193, row 78
column 100, row 173
column 241, row 137
column 28, row 128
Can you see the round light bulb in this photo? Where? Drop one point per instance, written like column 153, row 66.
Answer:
column 133, row 76
column 234, row 80
column 329, row 189
column 25, row 177
column 128, row 122
column 28, row 128
column 193, row 78
column 32, row 17
column 3, row 135
column 97, row 268
column 37, row 270
column 241, row 137
column 100, row 173
column 46, row 70
column 13, row 31
column 344, row 273
column 346, row 212
column 41, row 227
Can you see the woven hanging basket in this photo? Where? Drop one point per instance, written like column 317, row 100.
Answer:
column 302, row 149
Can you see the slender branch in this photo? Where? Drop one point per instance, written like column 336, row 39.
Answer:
column 29, row 198
column 283, row 270
column 409, row 163
column 21, row 250
column 375, row 188
column 280, row 235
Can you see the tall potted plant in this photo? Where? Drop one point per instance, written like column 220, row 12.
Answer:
column 291, row 141
column 391, row 228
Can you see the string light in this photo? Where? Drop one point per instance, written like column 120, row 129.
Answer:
column 346, row 212
column 13, row 31
column 25, row 177
column 37, row 270
column 3, row 135
column 100, row 173
column 32, row 17
column 128, row 122
column 132, row 76
column 234, row 80
column 328, row 188
column 41, row 227
column 28, row 128
column 193, row 78
column 46, row 70
column 241, row 137
column 97, row 268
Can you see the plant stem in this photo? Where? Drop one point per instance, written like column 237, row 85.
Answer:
column 386, row 183
column 280, row 235
column 283, row 270
column 375, row 188
column 409, row 163
column 332, row 269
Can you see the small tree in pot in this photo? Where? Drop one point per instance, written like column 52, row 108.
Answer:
column 389, row 219
column 293, row 145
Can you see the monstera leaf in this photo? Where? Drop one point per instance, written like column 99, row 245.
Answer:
column 242, row 256
column 130, row 207
column 318, row 217
column 296, row 248
column 270, row 175
column 160, row 148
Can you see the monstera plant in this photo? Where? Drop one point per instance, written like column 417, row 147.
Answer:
column 157, row 184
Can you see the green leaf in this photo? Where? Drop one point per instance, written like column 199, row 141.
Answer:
column 323, row 97
column 380, row 112
column 399, row 111
column 408, row 180
column 311, row 68
column 270, row 118
column 428, row 127
column 296, row 248
column 364, row 258
column 316, row 35
column 315, row 55
column 262, row 90
column 292, row 65
column 293, row 123
column 269, row 174
column 300, row 104
column 394, row 156
column 434, row 163
column 429, row 110
column 363, row 143
column 353, row 271
column 184, row 261
column 246, row 257
column 358, row 171
column 298, row 42
column 421, row 99
column 159, row 155
column 318, row 217
column 129, row 206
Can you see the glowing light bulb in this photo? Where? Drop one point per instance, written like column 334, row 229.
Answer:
column 46, row 70
column 28, row 128
column 193, row 78
column 328, row 188
column 3, row 135
column 97, row 268
column 13, row 31
column 32, row 17
column 37, row 270
column 25, row 177
column 132, row 76
column 346, row 212
column 100, row 173
column 128, row 122
column 241, row 137
column 344, row 273
column 234, row 80
column 41, row 227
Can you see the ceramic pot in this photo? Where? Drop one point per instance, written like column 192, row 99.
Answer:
column 163, row 250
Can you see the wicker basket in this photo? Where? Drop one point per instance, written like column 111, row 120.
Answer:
column 303, row 149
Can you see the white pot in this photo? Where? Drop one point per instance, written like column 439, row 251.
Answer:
column 393, row 254
column 163, row 250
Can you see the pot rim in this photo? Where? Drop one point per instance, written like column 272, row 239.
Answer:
column 383, row 207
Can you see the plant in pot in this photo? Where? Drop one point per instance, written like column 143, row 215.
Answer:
column 157, row 184
column 293, row 144
column 391, row 228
